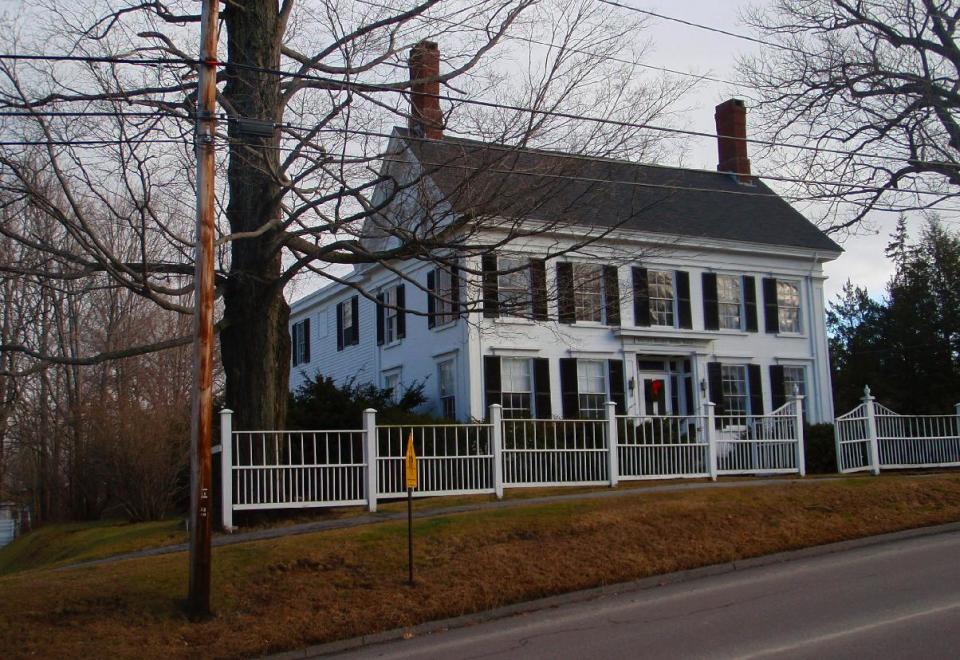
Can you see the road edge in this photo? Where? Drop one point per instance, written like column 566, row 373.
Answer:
column 593, row 593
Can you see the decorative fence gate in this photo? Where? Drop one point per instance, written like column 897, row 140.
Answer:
column 300, row 469
column 873, row 437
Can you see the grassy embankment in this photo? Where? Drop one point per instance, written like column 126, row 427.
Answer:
column 299, row 590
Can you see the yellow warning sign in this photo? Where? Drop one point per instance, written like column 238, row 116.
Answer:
column 410, row 460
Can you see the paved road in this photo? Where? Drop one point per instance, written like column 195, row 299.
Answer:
column 899, row 600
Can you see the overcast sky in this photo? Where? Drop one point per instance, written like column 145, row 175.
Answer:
column 691, row 49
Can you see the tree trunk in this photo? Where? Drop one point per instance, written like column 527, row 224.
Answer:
column 255, row 344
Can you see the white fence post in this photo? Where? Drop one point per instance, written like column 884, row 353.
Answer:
column 711, row 438
column 226, row 469
column 869, row 407
column 956, row 408
column 370, row 457
column 496, row 441
column 798, row 420
column 613, row 445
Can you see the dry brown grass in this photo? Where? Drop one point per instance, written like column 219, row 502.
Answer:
column 291, row 592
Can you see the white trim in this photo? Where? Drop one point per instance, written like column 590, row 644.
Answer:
column 504, row 351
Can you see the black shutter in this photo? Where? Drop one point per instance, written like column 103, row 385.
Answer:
column 750, row 302
column 569, row 394
column 611, row 295
column 641, row 297
column 294, row 330
column 455, row 291
column 756, row 389
column 684, row 314
column 618, row 393
column 306, row 339
column 711, row 312
column 538, row 281
column 401, row 312
column 778, row 393
column 355, row 314
column 715, row 387
column 340, row 326
column 491, row 381
column 380, row 319
column 566, row 308
column 431, row 301
column 771, row 314
column 688, row 393
column 542, row 408
column 491, row 294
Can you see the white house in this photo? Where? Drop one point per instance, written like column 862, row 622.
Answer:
column 691, row 285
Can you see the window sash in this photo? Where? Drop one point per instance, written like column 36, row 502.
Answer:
column 390, row 316
column 729, row 302
column 514, row 288
column 661, row 296
column 733, row 380
column 299, row 342
column 788, row 306
column 443, row 296
column 447, row 385
column 587, row 292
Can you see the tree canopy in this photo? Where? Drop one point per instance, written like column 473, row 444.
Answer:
column 906, row 347
column 870, row 86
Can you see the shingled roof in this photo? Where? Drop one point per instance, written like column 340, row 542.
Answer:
column 479, row 178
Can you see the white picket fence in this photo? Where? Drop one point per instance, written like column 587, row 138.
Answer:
column 299, row 469
column 873, row 437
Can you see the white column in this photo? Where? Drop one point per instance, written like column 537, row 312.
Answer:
column 711, row 437
column 613, row 445
column 874, row 447
column 797, row 399
column 226, row 469
column 370, row 457
column 496, row 441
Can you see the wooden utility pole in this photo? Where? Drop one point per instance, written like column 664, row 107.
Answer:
column 201, row 429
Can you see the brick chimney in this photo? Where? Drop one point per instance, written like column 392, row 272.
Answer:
column 731, row 119
column 426, row 119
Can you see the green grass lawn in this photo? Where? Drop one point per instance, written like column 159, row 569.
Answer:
column 290, row 592
column 56, row 545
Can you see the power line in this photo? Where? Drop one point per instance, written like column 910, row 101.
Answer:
column 700, row 26
column 579, row 51
column 402, row 89
column 856, row 189
column 94, row 59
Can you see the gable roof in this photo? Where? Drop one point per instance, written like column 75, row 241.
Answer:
column 479, row 178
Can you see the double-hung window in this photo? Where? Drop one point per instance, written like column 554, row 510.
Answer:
column 300, row 338
column 517, row 384
column 662, row 297
column 591, row 388
column 390, row 315
column 794, row 380
column 443, row 297
column 514, row 286
column 734, row 383
column 588, row 292
column 788, row 306
column 348, row 323
column 729, row 302
column 391, row 381
column 446, row 378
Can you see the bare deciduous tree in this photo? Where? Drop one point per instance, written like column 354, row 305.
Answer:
column 873, row 79
column 327, row 79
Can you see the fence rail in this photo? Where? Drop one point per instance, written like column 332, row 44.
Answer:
column 873, row 437
column 295, row 469
column 546, row 452
column 452, row 459
column 665, row 447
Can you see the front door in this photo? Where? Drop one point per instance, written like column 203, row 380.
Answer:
column 653, row 393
